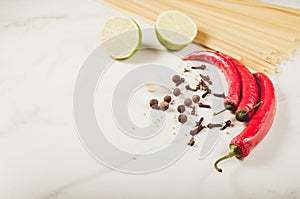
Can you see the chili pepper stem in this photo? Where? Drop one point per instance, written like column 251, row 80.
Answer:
column 217, row 113
column 228, row 106
column 242, row 115
column 234, row 152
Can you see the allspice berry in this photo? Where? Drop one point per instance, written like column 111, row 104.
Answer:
column 196, row 98
column 176, row 92
column 176, row 78
column 181, row 108
column 164, row 106
column 154, row 103
column 182, row 118
column 167, row 98
column 188, row 102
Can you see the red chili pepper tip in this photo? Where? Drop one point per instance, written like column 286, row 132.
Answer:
column 234, row 152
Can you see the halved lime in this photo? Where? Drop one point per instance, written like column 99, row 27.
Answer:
column 175, row 29
column 121, row 36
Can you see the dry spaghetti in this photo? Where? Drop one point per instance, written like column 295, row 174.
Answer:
column 258, row 34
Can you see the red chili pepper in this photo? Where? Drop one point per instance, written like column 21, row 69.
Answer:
column 249, row 92
column 258, row 126
column 233, row 79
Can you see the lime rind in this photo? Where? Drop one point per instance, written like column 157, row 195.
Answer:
column 124, row 44
column 172, row 35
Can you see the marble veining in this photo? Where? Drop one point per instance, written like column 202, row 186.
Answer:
column 42, row 47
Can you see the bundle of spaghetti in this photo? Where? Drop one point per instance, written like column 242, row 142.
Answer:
column 260, row 35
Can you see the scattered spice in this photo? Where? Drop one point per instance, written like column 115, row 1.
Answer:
column 167, row 98
column 172, row 102
column 203, row 85
column 198, row 86
column 187, row 102
column 199, row 123
column 205, row 94
column 206, row 78
column 164, row 106
column 176, row 92
column 227, row 124
column 222, row 95
column 180, row 82
column 181, row 108
column 197, row 130
column 196, row 98
column 185, row 70
column 177, row 80
column 191, row 142
column 199, row 127
column 201, row 105
column 154, row 104
column 182, row 118
column 187, row 87
column 202, row 67
column 193, row 112
column 210, row 125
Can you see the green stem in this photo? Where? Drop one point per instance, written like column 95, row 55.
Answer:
column 234, row 152
column 242, row 115
column 220, row 112
column 254, row 107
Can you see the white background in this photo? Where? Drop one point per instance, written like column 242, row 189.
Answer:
column 42, row 46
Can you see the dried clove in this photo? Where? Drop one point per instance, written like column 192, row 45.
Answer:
column 206, row 78
column 201, row 105
column 205, row 94
column 222, row 95
column 187, row 87
column 191, row 142
column 202, row 67
column 210, row 125
column 227, row 124
column 197, row 130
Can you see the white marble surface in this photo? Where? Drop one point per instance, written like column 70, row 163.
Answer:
column 42, row 47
